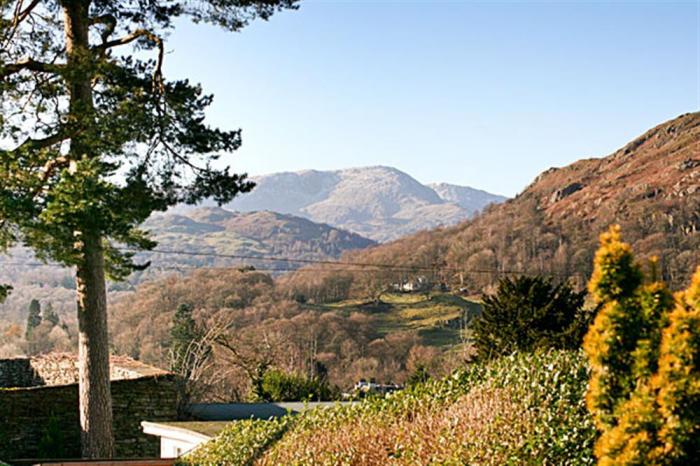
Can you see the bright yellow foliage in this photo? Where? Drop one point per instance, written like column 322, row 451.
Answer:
column 678, row 379
column 615, row 274
column 644, row 353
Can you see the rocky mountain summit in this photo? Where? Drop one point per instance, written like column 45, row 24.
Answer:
column 381, row 203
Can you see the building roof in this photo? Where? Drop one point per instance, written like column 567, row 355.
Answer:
column 56, row 368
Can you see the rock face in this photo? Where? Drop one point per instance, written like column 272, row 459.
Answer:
column 568, row 190
column 381, row 203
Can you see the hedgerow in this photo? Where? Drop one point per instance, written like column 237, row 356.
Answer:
column 520, row 409
column 240, row 443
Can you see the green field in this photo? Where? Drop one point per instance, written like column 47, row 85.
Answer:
column 439, row 318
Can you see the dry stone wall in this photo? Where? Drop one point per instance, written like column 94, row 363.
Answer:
column 43, row 421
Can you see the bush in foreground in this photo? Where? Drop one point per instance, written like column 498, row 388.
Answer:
column 644, row 351
column 520, row 409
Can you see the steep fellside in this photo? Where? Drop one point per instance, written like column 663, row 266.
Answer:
column 651, row 187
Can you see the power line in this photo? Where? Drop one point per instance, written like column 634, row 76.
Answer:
column 357, row 266
column 283, row 259
column 400, row 267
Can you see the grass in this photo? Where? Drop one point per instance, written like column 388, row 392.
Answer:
column 523, row 409
column 436, row 316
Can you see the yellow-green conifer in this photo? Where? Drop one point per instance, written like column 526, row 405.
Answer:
column 613, row 337
column 678, row 379
column 644, row 392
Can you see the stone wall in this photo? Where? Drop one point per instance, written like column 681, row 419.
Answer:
column 44, row 422
column 18, row 373
column 62, row 369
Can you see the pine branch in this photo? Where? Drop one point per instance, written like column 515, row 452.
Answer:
column 31, row 65
column 139, row 33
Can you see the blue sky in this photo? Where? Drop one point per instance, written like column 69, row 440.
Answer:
column 485, row 94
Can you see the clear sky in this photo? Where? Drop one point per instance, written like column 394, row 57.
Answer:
column 481, row 94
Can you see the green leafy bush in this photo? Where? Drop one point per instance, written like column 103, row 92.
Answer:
column 520, row 409
column 527, row 313
column 282, row 386
column 240, row 444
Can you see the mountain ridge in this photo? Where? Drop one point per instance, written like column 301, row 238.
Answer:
column 650, row 187
column 379, row 202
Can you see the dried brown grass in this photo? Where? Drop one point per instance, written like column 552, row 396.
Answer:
column 468, row 431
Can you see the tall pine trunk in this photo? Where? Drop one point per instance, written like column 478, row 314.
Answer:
column 95, row 398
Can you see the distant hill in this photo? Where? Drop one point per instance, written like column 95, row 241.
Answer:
column 470, row 199
column 651, row 187
column 219, row 231
column 381, row 203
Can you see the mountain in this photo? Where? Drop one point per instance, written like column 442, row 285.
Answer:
column 650, row 187
column 381, row 203
column 470, row 199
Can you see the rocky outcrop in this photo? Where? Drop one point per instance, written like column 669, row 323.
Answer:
column 560, row 194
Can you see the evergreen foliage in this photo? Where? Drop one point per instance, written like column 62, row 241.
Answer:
column 419, row 376
column 4, row 292
column 93, row 139
column 33, row 318
column 49, row 315
column 184, row 334
column 278, row 385
column 527, row 313
column 644, row 392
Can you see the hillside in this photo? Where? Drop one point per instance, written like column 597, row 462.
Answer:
column 207, row 229
column 381, row 203
column 651, row 187
column 384, row 339
column 215, row 230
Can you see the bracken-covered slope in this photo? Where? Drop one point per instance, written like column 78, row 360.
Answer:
column 651, row 187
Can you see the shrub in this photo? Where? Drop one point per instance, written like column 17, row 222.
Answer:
column 520, row 409
column 281, row 386
column 239, row 444
column 527, row 313
column 678, row 379
column 644, row 392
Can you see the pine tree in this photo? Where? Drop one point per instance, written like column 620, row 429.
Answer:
column 93, row 139
column 50, row 315
column 527, row 313
column 33, row 319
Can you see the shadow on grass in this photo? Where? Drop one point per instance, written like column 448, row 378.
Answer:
column 269, row 443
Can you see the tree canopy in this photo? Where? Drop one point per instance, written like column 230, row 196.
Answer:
column 144, row 141
column 527, row 313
